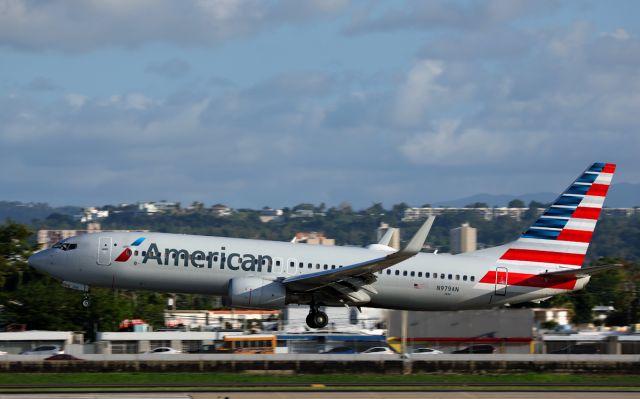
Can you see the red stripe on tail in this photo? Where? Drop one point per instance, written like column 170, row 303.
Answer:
column 599, row 190
column 575, row 235
column 586, row 213
column 531, row 255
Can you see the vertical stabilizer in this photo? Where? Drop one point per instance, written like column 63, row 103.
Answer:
column 561, row 235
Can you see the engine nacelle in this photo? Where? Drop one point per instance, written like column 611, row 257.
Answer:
column 256, row 293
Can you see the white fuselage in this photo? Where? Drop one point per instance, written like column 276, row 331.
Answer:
column 205, row 265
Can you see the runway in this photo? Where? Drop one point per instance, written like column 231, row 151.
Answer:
column 337, row 395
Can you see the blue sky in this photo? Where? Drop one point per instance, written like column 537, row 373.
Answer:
column 254, row 103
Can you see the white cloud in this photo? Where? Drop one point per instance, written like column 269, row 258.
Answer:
column 418, row 91
column 76, row 100
column 91, row 24
column 450, row 144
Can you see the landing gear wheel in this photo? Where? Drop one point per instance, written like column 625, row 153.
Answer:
column 320, row 319
column 86, row 301
column 310, row 321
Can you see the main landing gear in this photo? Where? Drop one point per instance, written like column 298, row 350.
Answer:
column 316, row 318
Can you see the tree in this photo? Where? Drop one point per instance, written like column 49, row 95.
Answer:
column 516, row 203
column 14, row 252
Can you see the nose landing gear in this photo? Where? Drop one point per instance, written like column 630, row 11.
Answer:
column 317, row 318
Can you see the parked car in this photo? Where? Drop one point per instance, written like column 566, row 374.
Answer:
column 163, row 350
column 340, row 350
column 579, row 349
column 426, row 351
column 481, row 348
column 44, row 350
column 379, row 350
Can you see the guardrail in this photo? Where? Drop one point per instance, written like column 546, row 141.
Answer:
column 316, row 363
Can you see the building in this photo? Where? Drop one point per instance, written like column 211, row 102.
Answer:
column 16, row 342
column 152, row 208
column 92, row 214
column 222, row 319
column 508, row 330
column 417, row 214
column 313, row 237
column 558, row 316
column 463, row 239
column 136, row 342
column 269, row 214
column 47, row 238
column 221, row 210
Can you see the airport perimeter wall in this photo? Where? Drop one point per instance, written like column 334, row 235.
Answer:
column 341, row 364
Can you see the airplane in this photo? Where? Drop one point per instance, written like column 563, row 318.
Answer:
column 546, row 260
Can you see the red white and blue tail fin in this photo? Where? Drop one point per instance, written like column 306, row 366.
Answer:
column 561, row 235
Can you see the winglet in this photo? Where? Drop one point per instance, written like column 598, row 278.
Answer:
column 418, row 240
column 386, row 238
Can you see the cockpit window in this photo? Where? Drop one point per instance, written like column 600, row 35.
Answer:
column 65, row 246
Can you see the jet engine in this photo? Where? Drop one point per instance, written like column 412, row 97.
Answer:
column 256, row 293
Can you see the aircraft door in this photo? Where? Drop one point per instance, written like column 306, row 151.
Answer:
column 104, row 251
column 502, row 280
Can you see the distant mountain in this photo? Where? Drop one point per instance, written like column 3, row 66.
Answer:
column 26, row 212
column 621, row 195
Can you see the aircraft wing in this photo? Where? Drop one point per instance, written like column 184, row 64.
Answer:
column 583, row 271
column 360, row 274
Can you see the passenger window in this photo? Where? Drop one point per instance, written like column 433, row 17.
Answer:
column 473, row 278
column 464, row 278
column 397, row 272
column 310, row 265
column 450, row 276
column 457, row 277
column 317, row 265
column 135, row 253
column 426, row 274
column 277, row 263
column 442, row 276
column 173, row 255
column 291, row 264
column 419, row 274
column 301, row 265
column 215, row 258
column 404, row 273
column 326, row 267
column 182, row 255
column 144, row 253
column 333, row 266
column 413, row 274
column 388, row 271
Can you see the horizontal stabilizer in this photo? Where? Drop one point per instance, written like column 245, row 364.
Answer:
column 584, row 271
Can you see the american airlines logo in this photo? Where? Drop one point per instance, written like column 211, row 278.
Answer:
column 208, row 259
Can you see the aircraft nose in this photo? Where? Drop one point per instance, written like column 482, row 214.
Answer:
column 38, row 260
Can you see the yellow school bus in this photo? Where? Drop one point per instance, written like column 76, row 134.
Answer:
column 251, row 344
